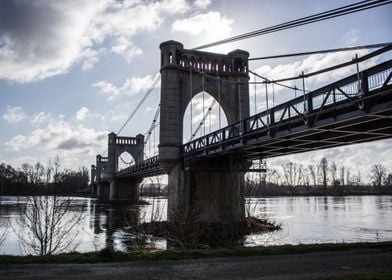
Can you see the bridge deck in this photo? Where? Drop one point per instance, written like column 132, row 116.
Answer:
column 352, row 110
column 337, row 114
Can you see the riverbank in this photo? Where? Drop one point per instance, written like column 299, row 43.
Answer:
column 321, row 262
column 107, row 255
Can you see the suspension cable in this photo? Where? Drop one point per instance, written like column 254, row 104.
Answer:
column 153, row 123
column 267, row 81
column 341, row 65
column 219, row 99
column 203, row 119
column 372, row 46
column 148, row 92
column 254, row 79
column 191, row 93
column 202, row 83
column 337, row 12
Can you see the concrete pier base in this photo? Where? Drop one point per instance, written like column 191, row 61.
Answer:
column 211, row 191
column 94, row 190
column 103, row 190
column 126, row 189
column 113, row 194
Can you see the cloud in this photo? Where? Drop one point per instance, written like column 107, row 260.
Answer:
column 43, row 38
column 131, row 86
column 40, row 118
column 17, row 114
column 60, row 134
column 90, row 58
column 309, row 64
column 82, row 114
column 347, row 156
column 40, row 39
column 107, row 88
column 202, row 4
column 314, row 63
column 14, row 115
column 211, row 23
column 125, row 47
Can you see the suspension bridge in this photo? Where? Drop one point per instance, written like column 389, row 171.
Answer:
column 207, row 172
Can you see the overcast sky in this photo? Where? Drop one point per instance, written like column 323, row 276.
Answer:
column 72, row 71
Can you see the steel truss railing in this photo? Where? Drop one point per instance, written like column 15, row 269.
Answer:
column 355, row 89
column 148, row 167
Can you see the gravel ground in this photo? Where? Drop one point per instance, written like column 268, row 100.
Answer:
column 300, row 266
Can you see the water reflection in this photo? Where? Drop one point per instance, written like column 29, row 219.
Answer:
column 327, row 219
column 303, row 219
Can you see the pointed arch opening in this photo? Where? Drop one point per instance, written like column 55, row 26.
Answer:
column 202, row 116
column 125, row 160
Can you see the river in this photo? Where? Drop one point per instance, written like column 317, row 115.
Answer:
column 304, row 220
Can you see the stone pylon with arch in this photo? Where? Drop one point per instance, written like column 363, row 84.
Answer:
column 123, row 188
column 213, row 186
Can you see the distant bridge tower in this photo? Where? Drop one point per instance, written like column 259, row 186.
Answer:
column 97, row 171
column 215, row 185
column 92, row 180
column 125, row 188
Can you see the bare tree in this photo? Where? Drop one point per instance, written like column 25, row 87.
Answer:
column 342, row 174
column 292, row 173
column 324, row 172
column 388, row 180
column 49, row 225
column 333, row 170
column 377, row 175
column 273, row 176
column 312, row 171
column 4, row 225
column 348, row 177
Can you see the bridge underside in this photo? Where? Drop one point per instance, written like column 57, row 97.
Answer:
column 345, row 124
column 334, row 131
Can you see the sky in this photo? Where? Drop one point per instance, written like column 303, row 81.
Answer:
column 73, row 71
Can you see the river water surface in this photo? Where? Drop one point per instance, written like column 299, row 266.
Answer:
column 304, row 220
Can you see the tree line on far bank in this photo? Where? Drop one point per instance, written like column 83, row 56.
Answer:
column 37, row 179
column 323, row 178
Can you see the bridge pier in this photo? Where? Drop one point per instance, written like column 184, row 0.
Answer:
column 113, row 193
column 208, row 190
column 125, row 189
column 211, row 191
column 94, row 190
column 103, row 190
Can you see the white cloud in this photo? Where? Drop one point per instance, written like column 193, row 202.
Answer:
column 90, row 58
column 59, row 134
column 309, row 64
column 43, row 38
column 125, row 47
column 347, row 156
column 40, row 118
column 82, row 114
column 202, row 4
column 130, row 87
column 314, row 63
column 14, row 115
column 107, row 88
column 350, row 38
column 211, row 23
column 40, row 39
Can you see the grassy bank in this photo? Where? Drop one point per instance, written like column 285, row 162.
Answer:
column 377, row 275
column 177, row 254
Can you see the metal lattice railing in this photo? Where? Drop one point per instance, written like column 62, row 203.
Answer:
column 351, row 88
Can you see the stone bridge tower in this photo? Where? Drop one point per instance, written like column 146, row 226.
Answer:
column 126, row 188
column 97, row 171
column 208, row 186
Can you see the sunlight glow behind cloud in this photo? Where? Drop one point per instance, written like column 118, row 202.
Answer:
column 41, row 39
